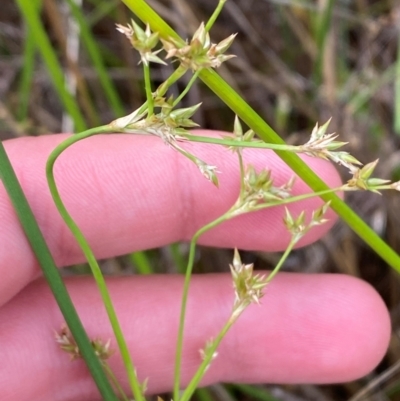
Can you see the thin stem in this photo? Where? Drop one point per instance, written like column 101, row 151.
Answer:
column 297, row 198
column 188, row 86
column 149, row 93
column 31, row 15
column 115, row 381
column 242, row 174
column 211, row 351
column 215, row 14
column 282, row 260
column 397, row 90
column 133, row 380
column 233, row 212
column 179, row 346
column 52, row 275
column 190, row 389
column 244, row 144
column 257, row 124
column 177, row 74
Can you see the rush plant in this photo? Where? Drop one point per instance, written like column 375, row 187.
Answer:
column 161, row 116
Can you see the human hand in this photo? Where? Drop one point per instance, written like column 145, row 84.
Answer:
column 129, row 193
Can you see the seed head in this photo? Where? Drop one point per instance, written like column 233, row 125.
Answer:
column 324, row 146
column 143, row 41
column 200, row 52
column 248, row 286
column 68, row 344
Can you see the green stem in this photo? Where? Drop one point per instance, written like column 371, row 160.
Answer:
column 242, row 174
column 179, row 347
column 282, row 260
column 31, row 15
column 322, row 32
column 188, row 86
column 52, row 275
column 115, row 381
column 27, row 73
column 397, row 90
column 244, row 144
column 149, row 93
column 233, row 212
column 266, row 133
column 187, row 394
column 215, row 14
column 177, row 74
column 133, row 380
column 190, row 389
column 298, row 198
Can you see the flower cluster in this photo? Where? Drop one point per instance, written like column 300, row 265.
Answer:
column 197, row 54
column 248, row 286
column 324, row 146
column 240, row 136
column 170, row 125
column 362, row 180
column 200, row 52
column 68, row 344
column 143, row 41
column 298, row 226
column 258, row 191
column 208, row 349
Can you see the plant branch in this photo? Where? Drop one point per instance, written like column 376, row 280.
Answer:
column 97, row 274
column 188, row 274
column 52, row 275
column 265, row 132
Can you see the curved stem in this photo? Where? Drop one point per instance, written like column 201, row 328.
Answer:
column 97, row 274
column 52, row 275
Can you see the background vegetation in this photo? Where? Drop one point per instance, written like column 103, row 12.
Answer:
column 298, row 62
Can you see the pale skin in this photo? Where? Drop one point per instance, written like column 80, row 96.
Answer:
column 129, row 193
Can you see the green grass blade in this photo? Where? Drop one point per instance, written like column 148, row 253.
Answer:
column 52, row 275
column 95, row 54
column 255, row 122
column 363, row 95
column 32, row 18
column 141, row 262
column 26, row 78
column 397, row 91
column 28, row 69
column 179, row 260
column 101, row 10
column 255, row 393
column 203, row 394
column 322, row 30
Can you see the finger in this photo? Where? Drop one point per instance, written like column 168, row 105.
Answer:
column 308, row 329
column 129, row 193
